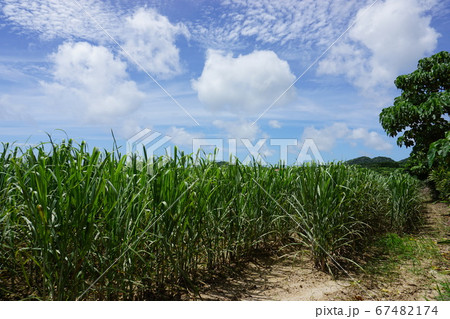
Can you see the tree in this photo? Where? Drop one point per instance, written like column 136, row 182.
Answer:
column 420, row 115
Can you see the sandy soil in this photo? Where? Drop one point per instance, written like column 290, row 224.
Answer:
column 274, row 278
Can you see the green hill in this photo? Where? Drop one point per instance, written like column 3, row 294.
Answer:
column 379, row 161
column 363, row 160
column 382, row 159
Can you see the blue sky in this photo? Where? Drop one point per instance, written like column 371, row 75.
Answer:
column 230, row 69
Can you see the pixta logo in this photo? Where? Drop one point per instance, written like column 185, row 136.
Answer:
column 151, row 141
column 304, row 151
column 256, row 150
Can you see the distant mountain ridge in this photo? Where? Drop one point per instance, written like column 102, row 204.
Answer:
column 376, row 161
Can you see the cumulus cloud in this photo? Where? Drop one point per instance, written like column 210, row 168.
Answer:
column 150, row 38
column 95, row 81
column 370, row 139
column 326, row 138
column 245, row 84
column 385, row 41
column 146, row 35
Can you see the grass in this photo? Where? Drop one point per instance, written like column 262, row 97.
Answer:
column 407, row 247
column 443, row 289
column 392, row 251
column 79, row 224
column 394, row 258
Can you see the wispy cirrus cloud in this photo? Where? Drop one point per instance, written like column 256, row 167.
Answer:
column 10, row 110
column 274, row 124
column 312, row 23
column 52, row 19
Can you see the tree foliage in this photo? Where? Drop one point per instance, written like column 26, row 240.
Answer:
column 440, row 150
column 420, row 115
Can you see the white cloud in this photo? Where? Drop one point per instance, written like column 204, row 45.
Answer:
column 239, row 129
column 94, row 80
column 326, row 138
column 274, row 124
column 247, row 83
column 12, row 73
column 11, row 111
column 274, row 22
column 60, row 19
column 146, row 35
column 150, row 38
column 385, row 41
column 181, row 137
column 370, row 139
column 129, row 127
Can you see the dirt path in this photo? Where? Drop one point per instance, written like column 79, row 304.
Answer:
column 292, row 276
column 274, row 278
